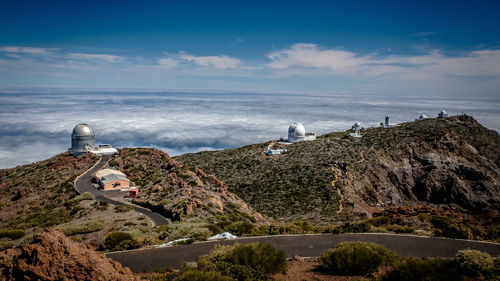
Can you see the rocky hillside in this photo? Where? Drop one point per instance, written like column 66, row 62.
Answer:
column 179, row 191
column 53, row 256
column 450, row 161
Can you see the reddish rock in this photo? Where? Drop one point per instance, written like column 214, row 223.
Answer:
column 53, row 256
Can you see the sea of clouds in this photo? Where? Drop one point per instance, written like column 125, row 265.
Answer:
column 37, row 125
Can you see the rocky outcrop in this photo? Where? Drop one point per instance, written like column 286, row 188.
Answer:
column 178, row 191
column 52, row 256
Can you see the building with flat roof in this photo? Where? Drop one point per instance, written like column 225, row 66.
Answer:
column 111, row 179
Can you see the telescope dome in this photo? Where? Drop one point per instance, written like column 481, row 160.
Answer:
column 83, row 130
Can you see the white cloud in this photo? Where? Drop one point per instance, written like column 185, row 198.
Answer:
column 311, row 56
column 221, row 62
column 28, row 50
column 433, row 65
column 168, row 62
column 104, row 57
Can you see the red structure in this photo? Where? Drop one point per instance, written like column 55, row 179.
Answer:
column 133, row 193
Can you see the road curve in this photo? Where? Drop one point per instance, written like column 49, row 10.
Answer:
column 83, row 184
column 302, row 245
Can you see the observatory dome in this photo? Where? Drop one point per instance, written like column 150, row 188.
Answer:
column 82, row 139
column 422, row 117
column 83, row 130
column 296, row 132
column 442, row 114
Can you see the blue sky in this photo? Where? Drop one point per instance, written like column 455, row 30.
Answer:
column 448, row 48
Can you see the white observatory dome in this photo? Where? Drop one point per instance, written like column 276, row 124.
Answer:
column 296, row 132
column 82, row 139
column 422, row 117
column 442, row 114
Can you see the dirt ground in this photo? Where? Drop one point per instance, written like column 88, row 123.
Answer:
column 301, row 269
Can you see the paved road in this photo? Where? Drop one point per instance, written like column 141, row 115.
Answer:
column 302, row 245
column 83, row 184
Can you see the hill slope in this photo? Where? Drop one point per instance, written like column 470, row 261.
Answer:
column 179, row 191
column 452, row 160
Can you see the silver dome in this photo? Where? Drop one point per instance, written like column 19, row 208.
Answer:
column 82, row 139
column 83, row 130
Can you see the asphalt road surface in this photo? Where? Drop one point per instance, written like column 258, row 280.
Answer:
column 83, row 184
column 301, row 245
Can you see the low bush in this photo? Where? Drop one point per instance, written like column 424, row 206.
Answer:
column 196, row 231
column 400, row 228
column 357, row 258
column 239, row 272
column 122, row 208
column 197, row 275
column 259, row 256
column 12, row 233
column 449, row 227
column 117, row 241
column 350, row 227
column 89, row 226
column 240, row 228
column 412, row 269
column 379, row 221
column 101, row 205
column 494, row 233
column 473, row 262
column 81, row 197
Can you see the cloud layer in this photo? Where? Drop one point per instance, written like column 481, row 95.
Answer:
column 35, row 126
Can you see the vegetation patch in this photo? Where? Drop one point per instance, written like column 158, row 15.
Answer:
column 412, row 269
column 72, row 228
column 11, row 233
column 357, row 258
column 118, row 241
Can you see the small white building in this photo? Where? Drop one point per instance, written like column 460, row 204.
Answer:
column 297, row 132
column 273, row 152
column 442, row 114
column 421, row 117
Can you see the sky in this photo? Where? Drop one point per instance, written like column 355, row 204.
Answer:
column 397, row 48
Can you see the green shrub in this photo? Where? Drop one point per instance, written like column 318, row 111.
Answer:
column 89, row 226
column 400, row 228
column 357, row 258
column 473, row 262
column 122, row 208
column 259, row 256
column 494, row 233
column 197, row 275
column 449, row 227
column 12, row 233
column 379, row 221
column 350, row 227
column 101, row 205
column 117, row 241
column 412, row 269
column 81, row 197
column 239, row 272
column 240, row 228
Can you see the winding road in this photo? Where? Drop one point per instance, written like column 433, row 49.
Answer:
column 301, row 245
column 83, row 184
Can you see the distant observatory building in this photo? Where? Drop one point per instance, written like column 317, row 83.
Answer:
column 297, row 132
column 356, row 127
column 442, row 114
column 421, row 117
column 83, row 141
